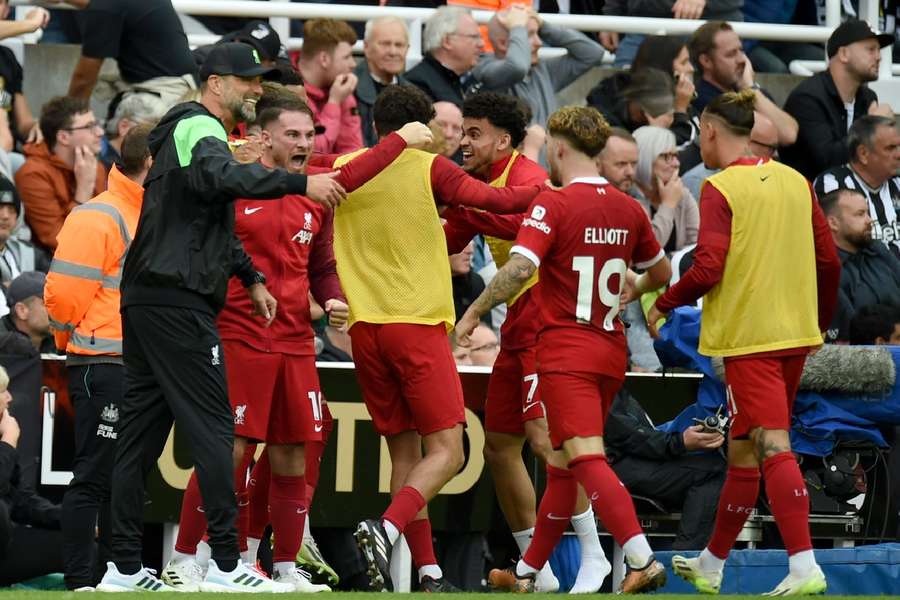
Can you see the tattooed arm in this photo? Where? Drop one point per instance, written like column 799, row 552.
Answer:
column 505, row 284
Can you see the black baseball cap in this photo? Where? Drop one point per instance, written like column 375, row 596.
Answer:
column 25, row 286
column 9, row 195
column 852, row 31
column 260, row 35
column 235, row 58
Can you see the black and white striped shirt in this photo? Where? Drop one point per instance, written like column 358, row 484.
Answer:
column 884, row 203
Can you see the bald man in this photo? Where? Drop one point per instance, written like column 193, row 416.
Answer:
column 449, row 118
column 763, row 143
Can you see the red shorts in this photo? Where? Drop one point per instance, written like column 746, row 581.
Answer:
column 408, row 377
column 275, row 397
column 513, row 395
column 761, row 391
column 577, row 403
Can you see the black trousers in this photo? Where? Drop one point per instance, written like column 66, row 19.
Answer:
column 692, row 483
column 174, row 370
column 96, row 394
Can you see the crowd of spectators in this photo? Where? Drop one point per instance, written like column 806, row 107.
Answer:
column 832, row 128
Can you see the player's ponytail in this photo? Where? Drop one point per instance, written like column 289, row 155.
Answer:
column 735, row 110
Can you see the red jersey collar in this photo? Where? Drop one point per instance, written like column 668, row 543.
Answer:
column 750, row 161
column 498, row 167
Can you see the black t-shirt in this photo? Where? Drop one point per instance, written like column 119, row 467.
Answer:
column 144, row 36
column 10, row 78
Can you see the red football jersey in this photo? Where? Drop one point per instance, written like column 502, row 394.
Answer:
column 583, row 238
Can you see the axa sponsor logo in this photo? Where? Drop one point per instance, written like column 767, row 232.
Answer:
column 303, row 236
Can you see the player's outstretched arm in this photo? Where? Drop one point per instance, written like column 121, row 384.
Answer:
column 506, row 283
column 455, row 187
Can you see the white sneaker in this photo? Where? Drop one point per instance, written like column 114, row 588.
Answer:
column 806, row 585
column 706, row 582
column 244, row 578
column 591, row 575
column 546, row 582
column 299, row 580
column 144, row 580
column 184, row 575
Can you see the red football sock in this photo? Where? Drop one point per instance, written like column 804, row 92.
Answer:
column 788, row 500
column 192, row 522
column 287, row 507
column 404, row 507
column 258, row 490
column 553, row 516
column 243, row 498
column 610, row 499
column 736, row 502
column 313, row 458
column 418, row 537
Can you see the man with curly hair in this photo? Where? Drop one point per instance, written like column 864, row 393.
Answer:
column 494, row 126
column 583, row 237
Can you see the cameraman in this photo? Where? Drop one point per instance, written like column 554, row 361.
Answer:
column 678, row 470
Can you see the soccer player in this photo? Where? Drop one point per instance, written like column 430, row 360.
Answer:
column 493, row 126
column 392, row 262
column 272, row 379
column 583, row 238
column 768, row 269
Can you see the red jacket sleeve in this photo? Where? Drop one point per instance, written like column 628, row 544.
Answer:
column 457, row 231
column 709, row 259
column 453, row 186
column 371, row 162
column 828, row 264
column 323, row 278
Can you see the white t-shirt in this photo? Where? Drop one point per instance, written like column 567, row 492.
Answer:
column 848, row 106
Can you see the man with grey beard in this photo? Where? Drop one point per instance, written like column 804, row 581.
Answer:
column 174, row 282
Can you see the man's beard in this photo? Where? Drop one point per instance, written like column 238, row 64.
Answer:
column 243, row 111
column 860, row 239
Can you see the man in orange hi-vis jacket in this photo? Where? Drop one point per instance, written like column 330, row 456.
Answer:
column 82, row 298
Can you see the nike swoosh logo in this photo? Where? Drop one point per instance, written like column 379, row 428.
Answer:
column 764, row 178
column 555, row 518
column 530, row 406
column 318, row 428
column 595, row 496
column 250, row 211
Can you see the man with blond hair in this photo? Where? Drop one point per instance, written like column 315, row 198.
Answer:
column 326, row 64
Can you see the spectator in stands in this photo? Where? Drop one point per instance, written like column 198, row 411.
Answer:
column 870, row 273
column 385, row 46
column 467, row 284
column 723, row 10
column 875, row 325
column 618, row 160
column 632, row 99
column 874, row 147
column 452, row 45
column 16, row 117
column 683, row 471
column 28, row 315
column 326, row 65
column 827, row 104
column 62, row 171
column 763, row 143
column 671, row 208
column 148, row 42
column 16, row 256
column 30, row 540
column 483, row 346
column 670, row 55
column 516, row 35
column 716, row 50
column 136, row 109
column 449, row 118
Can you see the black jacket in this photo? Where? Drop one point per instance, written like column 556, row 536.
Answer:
column 185, row 249
column 25, row 506
column 366, row 92
column 440, row 83
column 607, row 97
column 820, row 113
column 870, row 276
column 630, row 432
